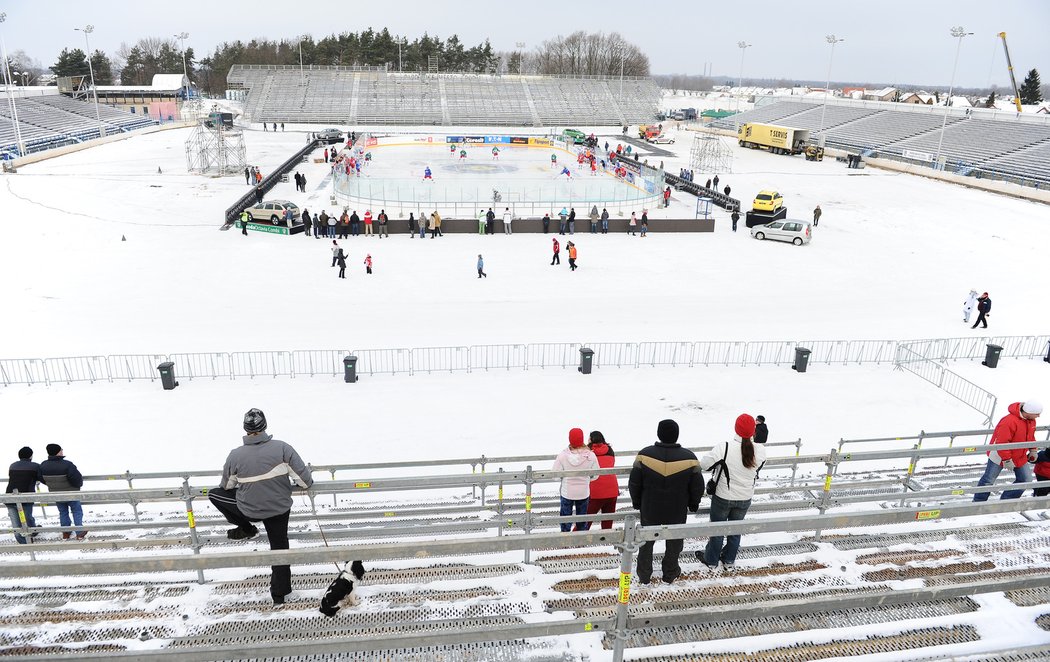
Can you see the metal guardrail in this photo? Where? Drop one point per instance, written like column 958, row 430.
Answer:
column 314, row 362
column 700, row 191
column 269, row 181
column 951, row 383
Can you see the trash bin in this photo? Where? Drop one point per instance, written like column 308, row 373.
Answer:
column 586, row 358
column 801, row 359
column 991, row 357
column 350, row 369
column 167, row 375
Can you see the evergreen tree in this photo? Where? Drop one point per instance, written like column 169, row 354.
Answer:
column 1030, row 92
column 102, row 67
column 990, row 103
column 71, row 63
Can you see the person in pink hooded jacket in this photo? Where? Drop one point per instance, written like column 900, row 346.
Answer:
column 575, row 490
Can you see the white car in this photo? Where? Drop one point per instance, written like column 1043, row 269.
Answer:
column 797, row 232
column 273, row 211
column 662, row 139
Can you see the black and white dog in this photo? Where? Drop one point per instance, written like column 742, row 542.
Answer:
column 340, row 592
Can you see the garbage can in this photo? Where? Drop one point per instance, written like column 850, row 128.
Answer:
column 586, row 358
column 350, row 369
column 991, row 357
column 167, row 375
column 801, row 359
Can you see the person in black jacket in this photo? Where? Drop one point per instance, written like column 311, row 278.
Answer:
column 984, row 308
column 490, row 219
column 665, row 481
column 735, row 216
column 22, row 477
column 61, row 475
column 761, row 431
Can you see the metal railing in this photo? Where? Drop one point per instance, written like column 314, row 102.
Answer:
column 308, row 363
column 954, row 385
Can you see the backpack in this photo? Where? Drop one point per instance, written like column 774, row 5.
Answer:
column 716, row 477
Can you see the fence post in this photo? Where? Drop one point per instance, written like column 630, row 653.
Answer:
column 195, row 540
column 483, row 485
column 133, row 501
column 499, row 503
column 794, row 467
column 911, row 469
column 842, row 442
column 473, row 487
column 528, row 507
column 26, row 535
column 825, row 495
column 628, row 549
column 951, row 442
column 335, row 497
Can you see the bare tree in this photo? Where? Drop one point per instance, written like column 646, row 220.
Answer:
column 595, row 54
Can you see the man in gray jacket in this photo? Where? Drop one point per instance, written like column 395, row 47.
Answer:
column 257, row 486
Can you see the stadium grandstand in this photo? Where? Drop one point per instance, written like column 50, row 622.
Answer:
column 54, row 120
column 362, row 95
column 976, row 143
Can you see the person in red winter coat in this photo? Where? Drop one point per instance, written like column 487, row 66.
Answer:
column 1042, row 471
column 1017, row 426
column 605, row 488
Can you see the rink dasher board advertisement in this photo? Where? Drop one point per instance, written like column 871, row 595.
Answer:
column 445, row 140
column 261, row 227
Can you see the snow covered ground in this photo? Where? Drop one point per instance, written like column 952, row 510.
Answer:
column 893, row 258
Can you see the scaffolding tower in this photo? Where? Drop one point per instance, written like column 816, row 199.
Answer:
column 214, row 149
column 710, row 154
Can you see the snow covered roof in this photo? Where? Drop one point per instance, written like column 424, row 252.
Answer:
column 883, row 92
column 169, row 81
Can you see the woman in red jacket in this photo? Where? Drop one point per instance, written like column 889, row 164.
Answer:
column 605, row 488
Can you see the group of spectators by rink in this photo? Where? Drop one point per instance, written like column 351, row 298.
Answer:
column 666, row 483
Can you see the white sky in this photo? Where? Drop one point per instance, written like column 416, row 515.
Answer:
column 892, row 41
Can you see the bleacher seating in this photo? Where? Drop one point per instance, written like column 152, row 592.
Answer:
column 50, row 121
column 1006, row 148
column 345, row 95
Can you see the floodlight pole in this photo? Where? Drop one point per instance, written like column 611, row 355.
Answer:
column 182, row 36
column 91, row 70
column 743, row 46
column 10, row 96
column 520, row 45
column 623, row 58
column 958, row 32
column 302, row 73
column 831, row 39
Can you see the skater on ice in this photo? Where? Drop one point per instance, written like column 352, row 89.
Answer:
column 427, row 174
column 565, row 171
column 495, row 153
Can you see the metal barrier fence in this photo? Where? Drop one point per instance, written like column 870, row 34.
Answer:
column 329, row 362
column 268, row 182
column 954, row 385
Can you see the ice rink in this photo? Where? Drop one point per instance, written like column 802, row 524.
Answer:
column 523, row 178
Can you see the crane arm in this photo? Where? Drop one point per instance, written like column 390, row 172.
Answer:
column 1010, row 68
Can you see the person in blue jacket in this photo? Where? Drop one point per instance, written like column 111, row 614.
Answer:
column 61, row 475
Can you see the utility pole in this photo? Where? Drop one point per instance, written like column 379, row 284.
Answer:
column 831, row 39
column 958, row 32
column 183, row 36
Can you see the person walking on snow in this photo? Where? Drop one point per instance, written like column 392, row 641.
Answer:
column 968, row 305
column 816, row 215
column 481, row 267
column 572, row 255
column 984, row 308
column 575, row 490
column 335, row 252
column 1016, row 427
column 368, row 264
column 556, row 247
column 340, row 259
column 735, row 216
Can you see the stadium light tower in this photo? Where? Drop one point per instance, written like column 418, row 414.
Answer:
column 403, row 41
column 743, row 46
column 520, row 45
column 182, row 37
column 958, row 32
column 831, row 39
column 10, row 97
column 91, row 70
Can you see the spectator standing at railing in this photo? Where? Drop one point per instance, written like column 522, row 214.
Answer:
column 605, row 221
column 508, row 219
column 1042, row 471
column 594, row 219
column 306, row 222
column 257, row 486
column 715, row 182
column 605, row 488
column 738, row 463
column 22, row 477
column 1017, row 426
column 61, row 475
column 761, row 431
column 575, row 490
column 665, row 482
column 247, row 175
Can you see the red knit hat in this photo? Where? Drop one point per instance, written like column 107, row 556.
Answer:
column 576, row 437
column 745, row 426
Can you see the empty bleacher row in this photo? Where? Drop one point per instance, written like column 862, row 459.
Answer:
column 50, row 121
column 971, row 145
column 375, row 96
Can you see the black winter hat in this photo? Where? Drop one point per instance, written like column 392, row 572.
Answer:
column 667, row 431
column 254, row 421
column 25, row 452
column 53, row 449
